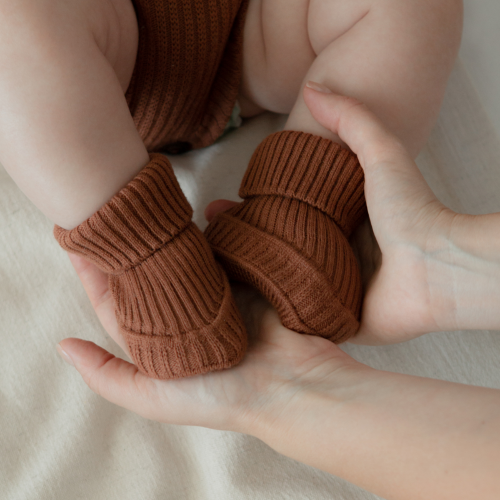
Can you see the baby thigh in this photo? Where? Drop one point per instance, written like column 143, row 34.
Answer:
column 66, row 134
column 394, row 55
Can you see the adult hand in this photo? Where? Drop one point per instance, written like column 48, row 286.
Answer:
column 438, row 270
column 278, row 366
column 403, row 298
column 308, row 400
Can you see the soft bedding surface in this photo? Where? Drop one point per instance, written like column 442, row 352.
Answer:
column 59, row 441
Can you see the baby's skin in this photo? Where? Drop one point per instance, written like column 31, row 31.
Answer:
column 66, row 65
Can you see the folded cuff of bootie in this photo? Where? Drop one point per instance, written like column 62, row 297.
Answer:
column 146, row 214
column 312, row 169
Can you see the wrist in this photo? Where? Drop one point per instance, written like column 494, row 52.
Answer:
column 464, row 272
column 398, row 436
column 478, row 237
column 307, row 406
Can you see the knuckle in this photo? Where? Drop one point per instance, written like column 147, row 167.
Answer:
column 95, row 378
column 91, row 378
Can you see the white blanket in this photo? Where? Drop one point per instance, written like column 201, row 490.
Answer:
column 59, row 441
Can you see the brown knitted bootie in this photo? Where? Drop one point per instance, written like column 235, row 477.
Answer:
column 173, row 302
column 303, row 196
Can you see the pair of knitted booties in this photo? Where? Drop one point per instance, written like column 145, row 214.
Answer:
column 303, row 196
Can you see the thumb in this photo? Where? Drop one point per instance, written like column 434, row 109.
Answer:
column 356, row 125
column 112, row 378
column 389, row 169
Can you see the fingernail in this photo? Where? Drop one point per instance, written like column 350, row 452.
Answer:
column 318, row 87
column 64, row 355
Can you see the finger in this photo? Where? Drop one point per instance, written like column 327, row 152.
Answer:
column 95, row 283
column 112, row 378
column 218, row 206
column 357, row 126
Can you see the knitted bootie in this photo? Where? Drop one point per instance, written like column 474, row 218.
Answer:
column 303, row 196
column 173, row 302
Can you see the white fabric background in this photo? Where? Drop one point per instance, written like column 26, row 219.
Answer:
column 59, row 441
column 480, row 54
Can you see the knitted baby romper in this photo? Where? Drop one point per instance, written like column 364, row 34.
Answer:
column 172, row 300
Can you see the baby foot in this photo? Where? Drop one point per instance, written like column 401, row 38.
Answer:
column 303, row 196
column 173, row 301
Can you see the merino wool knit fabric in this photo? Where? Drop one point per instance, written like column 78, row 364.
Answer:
column 303, row 197
column 173, row 301
column 187, row 71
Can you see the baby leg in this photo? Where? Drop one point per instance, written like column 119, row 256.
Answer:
column 66, row 134
column 393, row 55
column 303, row 192
column 69, row 141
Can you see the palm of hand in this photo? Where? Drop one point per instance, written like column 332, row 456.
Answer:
column 408, row 223
column 277, row 364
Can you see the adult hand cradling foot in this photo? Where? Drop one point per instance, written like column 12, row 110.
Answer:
column 306, row 398
column 440, row 270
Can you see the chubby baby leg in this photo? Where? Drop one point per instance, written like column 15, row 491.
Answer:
column 66, row 134
column 69, row 141
column 303, row 193
column 393, row 55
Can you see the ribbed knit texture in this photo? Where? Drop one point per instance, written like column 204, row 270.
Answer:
column 187, row 71
column 173, row 301
column 303, row 196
